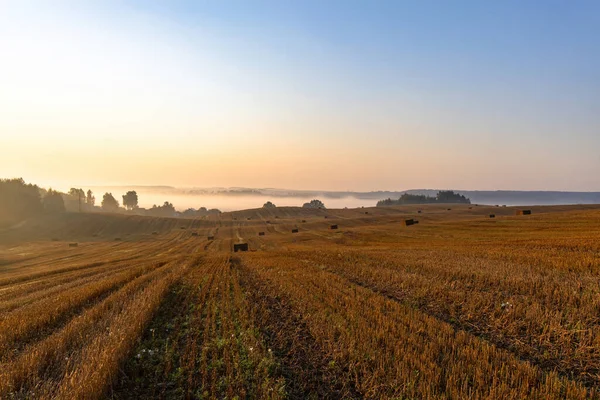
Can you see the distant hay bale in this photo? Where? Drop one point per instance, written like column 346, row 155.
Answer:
column 240, row 247
column 155, row 233
column 277, row 217
column 366, row 212
column 248, row 218
column 523, row 212
column 73, row 244
column 118, row 239
column 333, row 227
column 492, row 215
column 261, row 234
column 449, row 209
column 419, row 212
column 182, row 227
column 211, row 237
column 409, row 222
column 295, row 230
column 268, row 222
column 303, row 221
column 194, row 233
column 326, row 217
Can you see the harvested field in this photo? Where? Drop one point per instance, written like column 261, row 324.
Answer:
column 457, row 306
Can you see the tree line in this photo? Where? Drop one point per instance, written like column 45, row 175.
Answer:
column 443, row 196
column 20, row 200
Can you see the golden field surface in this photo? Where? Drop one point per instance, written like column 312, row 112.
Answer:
column 457, row 306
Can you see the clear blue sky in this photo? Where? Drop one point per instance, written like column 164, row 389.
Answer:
column 310, row 94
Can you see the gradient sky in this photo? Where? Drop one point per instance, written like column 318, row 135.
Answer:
column 359, row 95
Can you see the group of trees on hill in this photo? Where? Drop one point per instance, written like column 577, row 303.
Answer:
column 18, row 200
column 314, row 204
column 443, row 196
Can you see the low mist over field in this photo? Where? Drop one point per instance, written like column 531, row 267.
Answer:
column 229, row 199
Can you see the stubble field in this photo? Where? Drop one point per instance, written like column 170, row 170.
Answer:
column 457, row 306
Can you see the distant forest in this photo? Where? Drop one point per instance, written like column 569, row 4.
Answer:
column 447, row 196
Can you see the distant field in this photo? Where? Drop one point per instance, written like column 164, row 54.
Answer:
column 458, row 306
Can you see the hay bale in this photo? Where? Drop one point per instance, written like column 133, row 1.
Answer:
column 333, row 227
column 73, row 244
column 194, row 233
column 155, row 233
column 492, row 215
column 303, row 221
column 366, row 212
column 268, row 222
column 326, row 217
column 211, row 237
column 409, row 222
column 240, row 247
column 449, row 209
column 261, row 234
column 523, row 212
column 118, row 239
column 295, row 230
column 248, row 218
column 182, row 227
column 419, row 212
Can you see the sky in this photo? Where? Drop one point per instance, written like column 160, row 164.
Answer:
column 330, row 95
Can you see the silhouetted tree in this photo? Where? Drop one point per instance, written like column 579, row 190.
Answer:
column 314, row 204
column 90, row 199
column 268, row 204
column 130, row 200
column 109, row 203
column 54, row 202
